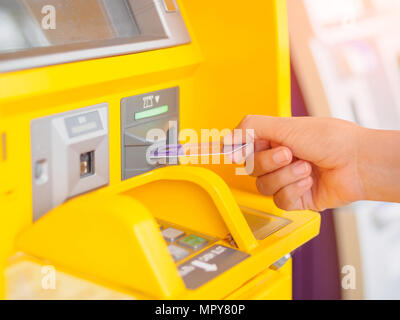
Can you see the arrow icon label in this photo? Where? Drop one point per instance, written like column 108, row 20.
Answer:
column 209, row 264
column 205, row 266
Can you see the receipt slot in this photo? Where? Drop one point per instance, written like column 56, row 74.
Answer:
column 80, row 106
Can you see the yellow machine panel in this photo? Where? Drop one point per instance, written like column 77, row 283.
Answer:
column 76, row 198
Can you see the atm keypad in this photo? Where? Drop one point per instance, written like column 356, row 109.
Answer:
column 183, row 244
column 177, row 253
column 172, row 234
column 193, row 242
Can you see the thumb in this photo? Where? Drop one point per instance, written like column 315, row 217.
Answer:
column 273, row 129
column 270, row 131
column 258, row 133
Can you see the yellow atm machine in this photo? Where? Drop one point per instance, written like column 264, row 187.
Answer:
column 82, row 214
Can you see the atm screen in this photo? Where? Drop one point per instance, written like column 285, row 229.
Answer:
column 60, row 31
column 43, row 23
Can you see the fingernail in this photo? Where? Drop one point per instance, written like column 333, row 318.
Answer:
column 281, row 156
column 304, row 183
column 300, row 168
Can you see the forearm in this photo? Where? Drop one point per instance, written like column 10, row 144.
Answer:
column 379, row 164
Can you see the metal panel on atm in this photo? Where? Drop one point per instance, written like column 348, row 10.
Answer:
column 143, row 126
column 70, row 156
column 48, row 32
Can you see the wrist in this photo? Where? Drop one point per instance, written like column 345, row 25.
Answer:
column 378, row 161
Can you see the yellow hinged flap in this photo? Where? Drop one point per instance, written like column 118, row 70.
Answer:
column 111, row 234
column 109, row 238
column 193, row 197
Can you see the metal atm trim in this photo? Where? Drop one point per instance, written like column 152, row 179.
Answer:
column 169, row 30
column 56, row 150
column 128, row 122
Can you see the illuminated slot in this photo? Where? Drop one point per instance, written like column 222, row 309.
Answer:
column 151, row 112
column 87, row 164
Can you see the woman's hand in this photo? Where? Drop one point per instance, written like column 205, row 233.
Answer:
column 307, row 163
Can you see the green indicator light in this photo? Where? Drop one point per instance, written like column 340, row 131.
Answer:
column 151, row 112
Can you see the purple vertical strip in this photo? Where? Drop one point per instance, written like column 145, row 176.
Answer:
column 315, row 265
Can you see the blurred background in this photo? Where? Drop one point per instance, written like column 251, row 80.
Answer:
column 346, row 64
